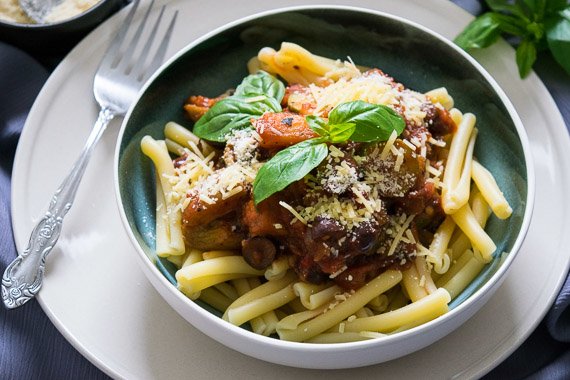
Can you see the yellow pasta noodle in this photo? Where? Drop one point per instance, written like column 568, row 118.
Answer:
column 429, row 307
column 425, row 273
column 441, row 96
column 455, row 161
column 295, row 64
column 174, row 147
column 178, row 260
column 270, row 318
column 257, row 324
column 490, row 190
column 343, row 310
column 337, row 337
column 313, row 296
column 438, row 247
column 411, row 281
column 260, row 300
column 162, row 235
column 467, row 221
column 215, row 298
column 183, row 137
column 379, row 304
column 459, row 195
column 456, row 116
column 198, row 276
column 194, row 255
column 158, row 153
column 454, row 268
column 208, row 255
column 416, row 262
column 464, row 276
column 277, row 269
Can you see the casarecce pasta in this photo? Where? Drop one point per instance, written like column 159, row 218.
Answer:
column 322, row 201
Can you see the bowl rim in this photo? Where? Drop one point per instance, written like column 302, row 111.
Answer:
column 53, row 25
column 494, row 281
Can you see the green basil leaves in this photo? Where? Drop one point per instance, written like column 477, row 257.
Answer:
column 558, row 38
column 261, row 83
column 373, row 122
column 357, row 121
column 228, row 114
column 539, row 24
column 287, row 166
column 480, row 33
column 257, row 93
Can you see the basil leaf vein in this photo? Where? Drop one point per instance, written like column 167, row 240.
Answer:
column 287, row 166
column 227, row 115
column 256, row 94
column 374, row 122
column 479, row 33
column 318, row 124
column 261, row 83
column 341, row 132
column 525, row 57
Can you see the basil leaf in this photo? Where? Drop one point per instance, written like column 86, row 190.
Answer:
column 565, row 13
column 521, row 4
column 536, row 29
column 511, row 24
column 227, row 115
column 554, row 6
column 525, row 57
column 373, row 122
column 480, row 33
column 256, row 94
column 505, row 6
column 261, row 83
column 558, row 37
column 537, row 7
column 341, row 132
column 287, row 166
column 271, row 104
column 318, row 124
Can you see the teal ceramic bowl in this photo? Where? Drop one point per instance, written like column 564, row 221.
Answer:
column 413, row 55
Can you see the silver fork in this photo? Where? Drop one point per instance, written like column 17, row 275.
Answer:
column 117, row 81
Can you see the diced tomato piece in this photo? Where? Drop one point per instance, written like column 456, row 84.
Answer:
column 280, row 130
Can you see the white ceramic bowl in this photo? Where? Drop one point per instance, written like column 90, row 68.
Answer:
column 414, row 55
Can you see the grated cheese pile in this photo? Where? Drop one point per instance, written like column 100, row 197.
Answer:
column 372, row 87
column 347, row 187
column 198, row 175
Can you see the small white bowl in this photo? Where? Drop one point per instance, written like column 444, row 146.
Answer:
column 57, row 37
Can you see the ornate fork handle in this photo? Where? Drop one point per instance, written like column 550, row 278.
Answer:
column 23, row 277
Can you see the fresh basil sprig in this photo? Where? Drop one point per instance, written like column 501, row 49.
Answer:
column 287, row 166
column 261, row 83
column 257, row 93
column 540, row 25
column 357, row 121
column 374, row 122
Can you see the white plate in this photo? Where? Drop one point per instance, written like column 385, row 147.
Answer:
column 96, row 295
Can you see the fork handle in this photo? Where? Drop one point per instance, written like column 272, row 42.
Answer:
column 23, row 277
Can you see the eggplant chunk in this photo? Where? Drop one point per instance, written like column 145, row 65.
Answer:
column 200, row 213
column 216, row 235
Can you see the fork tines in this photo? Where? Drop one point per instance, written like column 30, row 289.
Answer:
column 120, row 55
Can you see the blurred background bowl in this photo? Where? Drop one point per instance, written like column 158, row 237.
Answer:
column 414, row 56
column 58, row 37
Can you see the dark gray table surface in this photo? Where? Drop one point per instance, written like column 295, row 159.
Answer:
column 31, row 347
